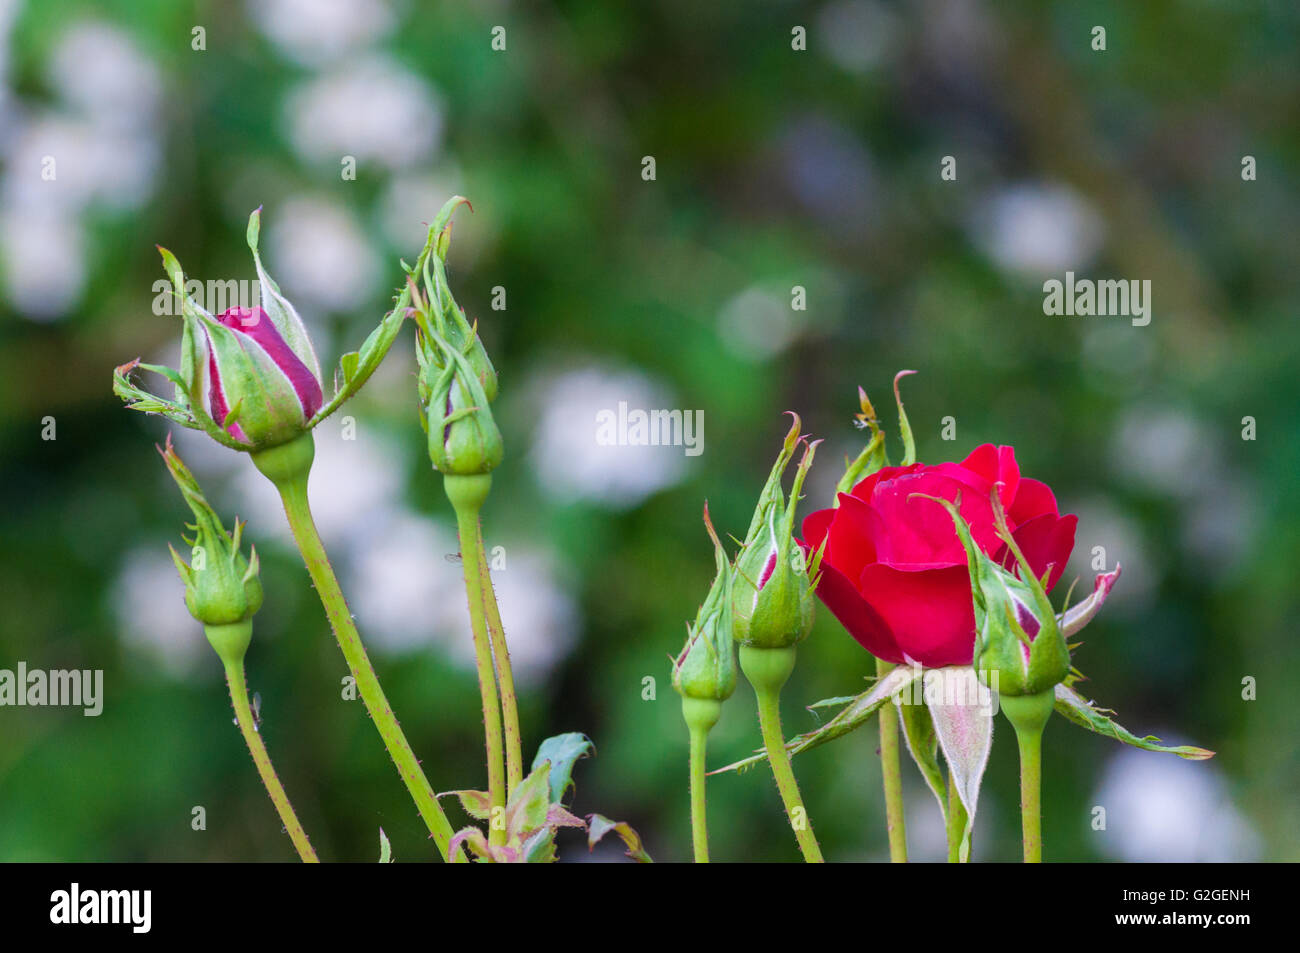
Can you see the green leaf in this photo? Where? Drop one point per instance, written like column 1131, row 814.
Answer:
column 1083, row 712
column 474, row 839
column 598, row 826
column 562, row 751
column 477, row 804
column 923, row 746
column 529, row 804
column 856, row 714
column 348, row 364
column 385, row 849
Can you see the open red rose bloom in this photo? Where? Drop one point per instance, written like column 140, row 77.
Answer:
column 894, row 571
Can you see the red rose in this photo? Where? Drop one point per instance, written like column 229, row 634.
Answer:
column 893, row 570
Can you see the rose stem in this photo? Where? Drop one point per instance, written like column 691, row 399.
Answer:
column 701, row 715
column 767, row 670
column 1031, row 774
column 505, row 675
column 956, row 822
column 1029, row 714
column 244, row 716
column 285, row 467
column 467, row 494
column 892, row 775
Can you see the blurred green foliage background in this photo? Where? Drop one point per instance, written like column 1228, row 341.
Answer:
column 775, row 168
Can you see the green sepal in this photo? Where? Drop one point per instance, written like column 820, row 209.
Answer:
column 136, row 398
column 961, row 709
column 194, row 355
column 385, row 848
column 1084, row 713
column 904, row 428
column 923, row 746
column 463, row 440
column 282, row 313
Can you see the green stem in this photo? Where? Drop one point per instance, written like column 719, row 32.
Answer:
column 701, row 715
column 287, row 467
column 505, row 674
column 1028, row 714
column 248, row 727
column 466, row 494
column 768, row 670
column 1031, row 776
column 891, row 772
column 956, row 822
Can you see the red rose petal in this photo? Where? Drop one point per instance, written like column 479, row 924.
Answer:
column 929, row 613
column 1034, row 498
column 915, row 533
column 257, row 324
column 849, row 544
column 996, row 465
column 846, row 604
column 1045, row 540
column 864, row 487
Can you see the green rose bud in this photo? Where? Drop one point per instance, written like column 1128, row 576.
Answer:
column 221, row 585
column 706, row 667
column 774, row 590
column 463, row 435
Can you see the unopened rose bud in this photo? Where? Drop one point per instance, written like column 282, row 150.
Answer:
column 249, row 377
column 221, row 585
column 705, row 669
column 259, row 389
column 773, row 594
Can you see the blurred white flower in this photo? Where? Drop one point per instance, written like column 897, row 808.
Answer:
column 569, row 462
column 320, row 256
column 1164, row 449
column 401, row 586
column 98, row 69
column 857, row 35
column 759, row 323
column 44, row 263
column 1120, row 539
column 827, row 167
column 374, row 109
column 1160, row 808
column 99, row 149
column 409, row 594
column 315, row 31
column 1219, row 524
column 1037, row 229
column 149, row 604
column 352, row 482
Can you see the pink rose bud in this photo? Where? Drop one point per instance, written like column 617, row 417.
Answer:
column 259, row 389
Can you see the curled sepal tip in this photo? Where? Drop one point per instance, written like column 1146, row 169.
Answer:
column 1074, row 707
